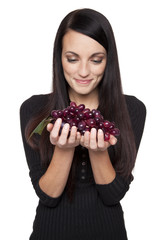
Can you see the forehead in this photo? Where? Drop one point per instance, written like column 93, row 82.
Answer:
column 79, row 43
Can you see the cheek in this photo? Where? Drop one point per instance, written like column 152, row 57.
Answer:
column 99, row 71
column 68, row 69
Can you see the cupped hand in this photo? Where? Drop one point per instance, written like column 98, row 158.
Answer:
column 67, row 138
column 94, row 140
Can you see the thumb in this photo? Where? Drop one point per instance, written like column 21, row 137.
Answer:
column 113, row 140
column 49, row 127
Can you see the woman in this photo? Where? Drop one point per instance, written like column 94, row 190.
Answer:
column 80, row 180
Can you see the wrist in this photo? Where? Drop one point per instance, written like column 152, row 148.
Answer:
column 98, row 153
column 64, row 150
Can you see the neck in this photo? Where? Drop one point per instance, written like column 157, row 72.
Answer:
column 89, row 100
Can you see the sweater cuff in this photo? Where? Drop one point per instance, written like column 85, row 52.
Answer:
column 46, row 199
column 113, row 192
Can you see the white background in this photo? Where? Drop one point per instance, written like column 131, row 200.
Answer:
column 27, row 31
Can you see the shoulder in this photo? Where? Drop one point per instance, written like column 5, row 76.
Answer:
column 34, row 103
column 135, row 106
column 137, row 113
column 32, row 106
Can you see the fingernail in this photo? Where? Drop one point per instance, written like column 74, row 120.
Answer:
column 93, row 130
column 114, row 141
column 66, row 126
column 59, row 120
column 100, row 130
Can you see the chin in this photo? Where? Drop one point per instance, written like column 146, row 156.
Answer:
column 83, row 92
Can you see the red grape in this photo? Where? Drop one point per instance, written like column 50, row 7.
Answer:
column 106, row 124
column 60, row 113
column 73, row 104
column 80, row 115
column 81, row 107
column 114, row 132
column 86, row 110
column 65, row 112
column 97, row 119
column 72, row 122
column 106, row 136
column 72, row 109
column 81, row 125
column 54, row 114
column 89, row 115
column 91, row 122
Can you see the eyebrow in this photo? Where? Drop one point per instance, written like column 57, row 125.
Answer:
column 93, row 55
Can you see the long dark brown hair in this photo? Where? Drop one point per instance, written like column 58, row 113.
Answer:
column 112, row 105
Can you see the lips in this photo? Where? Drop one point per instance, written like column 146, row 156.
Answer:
column 83, row 81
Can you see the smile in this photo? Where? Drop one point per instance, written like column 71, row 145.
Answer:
column 83, row 81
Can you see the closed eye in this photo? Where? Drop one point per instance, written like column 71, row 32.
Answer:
column 97, row 61
column 72, row 60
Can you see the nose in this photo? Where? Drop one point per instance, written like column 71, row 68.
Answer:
column 84, row 70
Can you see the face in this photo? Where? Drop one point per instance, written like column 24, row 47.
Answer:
column 83, row 61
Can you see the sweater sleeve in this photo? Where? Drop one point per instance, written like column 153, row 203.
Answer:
column 32, row 156
column 113, row 192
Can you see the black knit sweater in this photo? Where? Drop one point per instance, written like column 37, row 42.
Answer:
column 95, row 212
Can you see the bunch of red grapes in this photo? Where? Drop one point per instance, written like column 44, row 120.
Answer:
column 85, row 119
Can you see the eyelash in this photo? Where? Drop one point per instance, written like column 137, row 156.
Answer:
column 72, row 60
column 97, row 61
column 75, row 60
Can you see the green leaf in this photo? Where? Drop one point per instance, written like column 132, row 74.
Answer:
column 39, row 129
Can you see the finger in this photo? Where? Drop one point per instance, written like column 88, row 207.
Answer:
column 86, row 139
column 73, row 135
column 93, row 140
column 49, row 127
column 64, row 134
column 78, row 137
column 82, row 140
column 55, row 130
column 112, row 140
column 101, row 142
